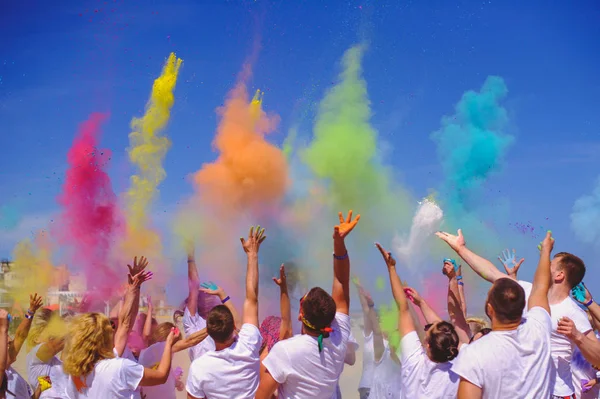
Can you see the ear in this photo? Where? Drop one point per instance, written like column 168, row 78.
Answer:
column 490, row 311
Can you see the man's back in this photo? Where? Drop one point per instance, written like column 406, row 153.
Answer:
column 514, row 363
column 302, row 371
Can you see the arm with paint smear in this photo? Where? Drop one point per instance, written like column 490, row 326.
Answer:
column 193, row 281
column 35, row 302
column 251, row 247
column 592, row 307
column 340, row 291
column 285, row 330
column 405, row 321
column 128, row 312
column 481, row 266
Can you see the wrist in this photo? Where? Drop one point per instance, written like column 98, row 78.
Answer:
column 587, row 304
column 222, row 295
column 252, row 254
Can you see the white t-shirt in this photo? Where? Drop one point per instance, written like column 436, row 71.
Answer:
column 301, row 371
column 229, row 373
column 583, row 370
column 116, row 378
column 421, row 377
column 368, row 362
column 53, row 369
column 17, row 385
column 192, row 324
column 387, row 377
column 527, row 286
column 562, row 347
column 150, row 358
column 511, row 364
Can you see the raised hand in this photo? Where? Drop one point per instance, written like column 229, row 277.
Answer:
column 35, row 302
column 510, row 263
column 448, row 269
column 255, row 238
column 211, row 288
column 138, row 279
column 456, row 242
column 346, row 226
column 137, row 267
column 4, row 320
column 387, row 256
column 413, row 295
column 282, row 280
column 173, row 335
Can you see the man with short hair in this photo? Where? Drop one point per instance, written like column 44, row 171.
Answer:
column 232, row 369
column 309, row 365
column 570, row 325
column 513, row 360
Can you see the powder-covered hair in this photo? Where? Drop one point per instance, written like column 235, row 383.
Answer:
column 38, row 325
column 476, row 324
column 90, row 340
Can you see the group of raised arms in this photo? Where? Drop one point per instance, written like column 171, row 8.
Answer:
column 538, row 340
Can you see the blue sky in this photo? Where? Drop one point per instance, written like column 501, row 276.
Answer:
column 61, row 61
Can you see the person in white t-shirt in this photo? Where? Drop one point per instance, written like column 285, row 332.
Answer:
column 232, row 369
column 368, row 356
column 309, row 365
column 513, row 360
column 12, row 385
column 425, row 367
column 570, row 326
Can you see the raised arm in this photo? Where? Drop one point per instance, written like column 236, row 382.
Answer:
column 481, row 266
column 211, row 288
column 147, row 332
column 160, row 375
column 35, row 302
column 3, row 343
column 251, row 247
column 429, row 314
column 365, row 305
column 457, row 317
column 193, row 281
column 285, row 330
column 541, row 279
column 128, row 313
column 341, row 263
column 405, row 320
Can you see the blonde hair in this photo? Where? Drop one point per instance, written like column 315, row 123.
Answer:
column 38, row 325
column 162, row 331
column 90, row 340
column 476, row 324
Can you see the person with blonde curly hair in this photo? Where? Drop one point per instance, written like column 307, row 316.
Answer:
column 90, row 359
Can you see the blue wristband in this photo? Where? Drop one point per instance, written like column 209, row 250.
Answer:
column 459, row 277
column 345, row 256
column 461, row 283
column 587, row 305
column 225, row 300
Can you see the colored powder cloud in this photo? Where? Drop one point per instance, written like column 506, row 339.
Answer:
column 471, row 144
column 147, row 151
column 344, row 154
column 33, row 271
column 585, row 217
column 410, row 248
column 89, row 222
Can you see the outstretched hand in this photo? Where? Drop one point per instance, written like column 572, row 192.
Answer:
column 341, row 230
column 282, row 280
column 255, row 238
column 547, row 244
column 138, row 266
column 211, row 288
column 35, row 302
column 387, row 256
column 510, row 263
column 456, row 242
column 138, row 279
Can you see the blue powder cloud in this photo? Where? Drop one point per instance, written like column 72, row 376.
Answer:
column 585, row 217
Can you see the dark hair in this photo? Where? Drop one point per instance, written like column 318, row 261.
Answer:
column 573, row 267
column 318, row 308
column 507, row 298
column 220, row 324
column 443, row 342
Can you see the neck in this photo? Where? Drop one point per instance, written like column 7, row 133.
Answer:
column 557, row 293
column 497, row 326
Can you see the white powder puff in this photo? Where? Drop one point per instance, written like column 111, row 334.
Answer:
column 427, row 220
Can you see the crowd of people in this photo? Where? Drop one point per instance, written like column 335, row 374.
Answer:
column 539, row 339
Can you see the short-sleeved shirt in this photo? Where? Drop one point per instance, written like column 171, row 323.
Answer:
column 191, row 325
column 302, row 371
column 512, row 364
column 232, row 372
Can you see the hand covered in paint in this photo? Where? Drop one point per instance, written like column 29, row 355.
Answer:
column 255, row 238
column 35, row 302
column 137, row 267
column 567, row 328
column 387, row 256
column 547, row 244
column 456, row 242
column 588, row 385
column 448, row 270
column 282, row 280
column 509, row 261
column 413, row 295
column 211, row 288
column 173, row 335
column 341, row 230
column 586, row 293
